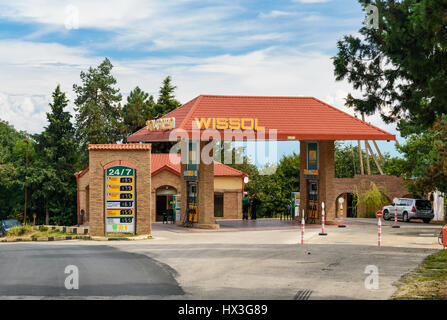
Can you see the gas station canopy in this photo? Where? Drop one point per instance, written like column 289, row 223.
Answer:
column 294, row 118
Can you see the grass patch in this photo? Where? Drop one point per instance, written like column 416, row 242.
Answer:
column 428, row 281
column 19, row 231
column 50, row 233
column 121, row 235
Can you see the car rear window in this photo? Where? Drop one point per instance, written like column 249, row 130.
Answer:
column 423, row 204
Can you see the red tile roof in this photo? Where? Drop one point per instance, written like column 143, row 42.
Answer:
column 161, row 161
column 297, row 118
column 129, row 146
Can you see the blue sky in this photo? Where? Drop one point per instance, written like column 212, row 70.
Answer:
column 208, row 47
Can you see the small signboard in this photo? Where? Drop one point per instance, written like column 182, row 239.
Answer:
column 120, row 210
column 379, row 214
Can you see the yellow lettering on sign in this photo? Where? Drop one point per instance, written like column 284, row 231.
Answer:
column 205, row 122
column 222, row 124
column 228, row 123
column 250, row 126
column 235, row 123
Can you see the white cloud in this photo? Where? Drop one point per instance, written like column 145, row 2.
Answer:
column 276, row 13
column 311, row 1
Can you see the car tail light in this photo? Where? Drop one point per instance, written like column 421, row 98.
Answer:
column 413, row 209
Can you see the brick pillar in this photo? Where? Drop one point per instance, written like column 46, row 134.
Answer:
column 327, row 176
column 205, row 193
column 183, row 194
column 205, row 188
column 303, row 182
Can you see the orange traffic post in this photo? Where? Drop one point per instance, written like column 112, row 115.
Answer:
column 379, row 215
column 444, row 236
column 395, row 200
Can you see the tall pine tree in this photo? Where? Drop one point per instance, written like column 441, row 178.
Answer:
column 98, row 118
column 58, row 159
column 166, row 102
column 137, row 110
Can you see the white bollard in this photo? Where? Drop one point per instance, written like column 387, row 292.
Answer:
column 340, row 201
column 302, row 228
column 322, row 233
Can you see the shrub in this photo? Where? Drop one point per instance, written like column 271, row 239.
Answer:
column 19, row 230
column 43, row 228
column 369, row 200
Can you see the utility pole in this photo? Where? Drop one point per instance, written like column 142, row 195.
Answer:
column 26, row 180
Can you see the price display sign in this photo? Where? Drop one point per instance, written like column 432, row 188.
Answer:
column 120, row 199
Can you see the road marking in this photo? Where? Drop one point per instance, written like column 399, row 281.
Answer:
column 303, row 294
column 426, row 234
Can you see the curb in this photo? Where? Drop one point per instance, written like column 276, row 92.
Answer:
column 100, row 238
column 45, row 239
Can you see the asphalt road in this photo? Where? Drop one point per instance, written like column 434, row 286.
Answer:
column 38, row 270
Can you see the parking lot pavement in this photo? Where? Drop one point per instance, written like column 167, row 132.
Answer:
column 237, row 263
column 38, row 271
column 270, row 264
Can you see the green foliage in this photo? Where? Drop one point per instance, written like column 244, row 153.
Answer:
column 166, row 103
column 272, row 184
column 431, row 170
column 98, row 110
column 166, row 100
column 52, row 175
column 400, row 64
column 347, row 162
column 43, row 228
column 137, row 110
column 12, row 170
column 370, row 200
column 19, row 230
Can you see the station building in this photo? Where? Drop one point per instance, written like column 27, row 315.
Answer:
column 165, row 184
column 122, row 186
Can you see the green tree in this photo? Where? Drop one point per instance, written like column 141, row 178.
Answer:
column 347, row 162
column 58, row 159
column 400, row 66
column 12, row 169
column 98, row 117
column 166, row 103
column 137, row 110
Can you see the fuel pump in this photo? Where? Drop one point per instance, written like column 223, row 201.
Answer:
column 190, row 175
column 312, row 200
column 192, row 202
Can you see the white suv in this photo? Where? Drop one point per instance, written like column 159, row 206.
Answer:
column 408, row 209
